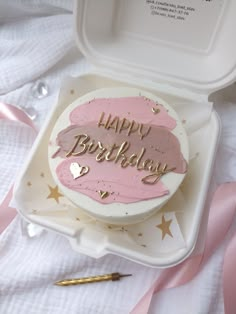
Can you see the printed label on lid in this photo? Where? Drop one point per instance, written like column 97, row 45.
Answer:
column 188, row 23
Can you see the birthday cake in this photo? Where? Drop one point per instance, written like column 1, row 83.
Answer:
column 119, row 154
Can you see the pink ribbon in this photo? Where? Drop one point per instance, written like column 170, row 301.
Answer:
column 7, row 213
column 222, row 212
column 9, row 112
column 12, row 113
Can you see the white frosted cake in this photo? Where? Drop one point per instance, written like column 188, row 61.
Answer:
column 119, row 154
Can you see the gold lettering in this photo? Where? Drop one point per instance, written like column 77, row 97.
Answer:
column 155, row 177
column 92, row 148
column 110, row 152
column 114, row 124
column 131, row 160
column 124, row 163
column 108, row 120
column 146, row 163
column 124, row 125
column 138, row 161
column 120, row 154
column 101, row 119
column 82, row 144
column 105, row 123
column 100, row 157
column 142, row 135
column 133, row 127
column 155, row 168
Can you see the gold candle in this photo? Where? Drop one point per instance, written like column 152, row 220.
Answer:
column 79, row 281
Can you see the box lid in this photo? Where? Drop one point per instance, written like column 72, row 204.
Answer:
column 185, row 43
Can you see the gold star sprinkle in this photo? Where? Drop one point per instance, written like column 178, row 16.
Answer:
column 165, row 227
column 54, row 193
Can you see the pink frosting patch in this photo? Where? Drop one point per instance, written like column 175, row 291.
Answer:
column 133, row 108
column 123, row 185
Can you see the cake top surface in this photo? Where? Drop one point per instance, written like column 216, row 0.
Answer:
column 118, row 147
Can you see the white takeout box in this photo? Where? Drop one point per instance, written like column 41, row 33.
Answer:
column 180, row 50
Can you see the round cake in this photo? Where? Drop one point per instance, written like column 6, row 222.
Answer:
column 119, row 154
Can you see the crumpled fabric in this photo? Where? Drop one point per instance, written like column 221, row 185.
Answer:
column 37, row 44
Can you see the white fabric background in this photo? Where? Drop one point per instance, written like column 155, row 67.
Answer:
column 36, row 43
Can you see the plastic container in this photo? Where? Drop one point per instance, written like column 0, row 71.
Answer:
column 161, row 47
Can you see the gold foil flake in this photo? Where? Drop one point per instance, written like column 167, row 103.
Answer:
column 103, row 194
column 78, row 171
column 123, row 229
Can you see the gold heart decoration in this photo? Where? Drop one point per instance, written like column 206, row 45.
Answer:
column 103, row 194
column 78, row 171
column 155, row 110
